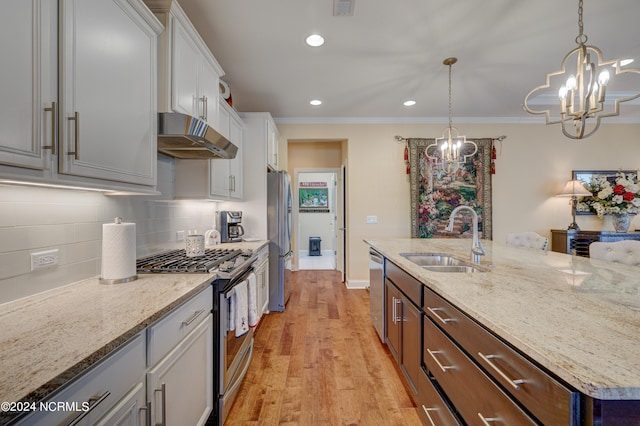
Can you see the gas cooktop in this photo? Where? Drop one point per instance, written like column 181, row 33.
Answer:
column 176, row 261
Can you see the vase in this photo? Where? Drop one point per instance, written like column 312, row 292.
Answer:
column 621, row 222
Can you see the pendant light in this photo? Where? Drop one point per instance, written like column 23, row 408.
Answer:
column 451, row 150
column 581, row 89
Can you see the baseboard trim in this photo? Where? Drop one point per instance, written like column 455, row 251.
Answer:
column 357, row 284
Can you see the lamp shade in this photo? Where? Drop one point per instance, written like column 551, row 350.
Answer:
column 574, row 188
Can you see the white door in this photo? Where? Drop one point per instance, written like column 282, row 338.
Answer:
column 28, row 47
column 235, row 165
column 180, row 386
column 184, row 66
column 108, row 95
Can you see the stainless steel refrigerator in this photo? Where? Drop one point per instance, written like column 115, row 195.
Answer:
column 279, row 231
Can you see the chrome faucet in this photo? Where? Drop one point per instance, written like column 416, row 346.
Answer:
column 476, row 246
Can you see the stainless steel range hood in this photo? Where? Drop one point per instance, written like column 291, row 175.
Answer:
column 186, row 137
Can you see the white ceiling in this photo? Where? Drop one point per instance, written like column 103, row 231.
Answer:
column 392, row 50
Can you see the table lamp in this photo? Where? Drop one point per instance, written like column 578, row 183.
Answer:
column 574, row 189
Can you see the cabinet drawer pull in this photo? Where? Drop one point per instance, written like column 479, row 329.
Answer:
column 435, row 314
column 147, row 413
column 192, row 318
column 487, row 420
column 54, row 127
column 513, row 383
column 397, row 318
column 76, row 128
column 426, row 411
column 94, row 401
column 163, row 402
column 444, row 368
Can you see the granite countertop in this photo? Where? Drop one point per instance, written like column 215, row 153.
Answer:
column 49, row 338
column 577, row 317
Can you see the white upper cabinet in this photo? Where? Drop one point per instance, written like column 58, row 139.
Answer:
column 108, row 111
column 263, row 136
column 189, row 75
column 273, row 138
column 28, row 87
column 95, row 123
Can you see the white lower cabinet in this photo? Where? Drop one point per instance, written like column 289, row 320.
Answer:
column 132, row 410
column 164, row 375
column 99, row 394
column 262, row 274
column 180, row 362
column 180, row 386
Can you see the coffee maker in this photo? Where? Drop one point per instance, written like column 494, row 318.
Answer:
column 230, row 229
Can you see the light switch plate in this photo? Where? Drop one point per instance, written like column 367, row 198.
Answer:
column 372, row 219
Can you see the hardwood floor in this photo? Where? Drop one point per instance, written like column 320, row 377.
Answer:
column 321, row 363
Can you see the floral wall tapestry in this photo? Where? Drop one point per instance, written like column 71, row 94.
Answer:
column 434, row 194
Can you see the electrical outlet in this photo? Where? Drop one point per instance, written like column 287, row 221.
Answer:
column 180, row 236
column 372, row 219
column 44, row 259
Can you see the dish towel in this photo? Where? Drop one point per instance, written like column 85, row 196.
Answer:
column 253, row 300
column 241, row 308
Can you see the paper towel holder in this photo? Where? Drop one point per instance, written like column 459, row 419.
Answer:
column 117, row 220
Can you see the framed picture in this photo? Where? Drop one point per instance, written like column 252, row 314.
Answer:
column 435, row 194
column 585, row 176
column 313, row 198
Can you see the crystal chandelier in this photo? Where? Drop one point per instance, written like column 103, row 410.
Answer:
column 450, row 150
column 582, row 93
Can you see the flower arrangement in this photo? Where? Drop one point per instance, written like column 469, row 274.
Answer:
column 612, row 195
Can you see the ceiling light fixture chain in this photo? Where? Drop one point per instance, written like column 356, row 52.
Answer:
column 581, row 91
column 582, row 38
column 450, row 62
column 451, row 150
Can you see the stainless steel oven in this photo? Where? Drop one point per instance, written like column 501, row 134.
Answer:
column 231, row 354
column 235, row 352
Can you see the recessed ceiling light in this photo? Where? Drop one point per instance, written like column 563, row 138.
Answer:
column 409, row 103
column 316, row 102
column 624, row 62
column 315, row 40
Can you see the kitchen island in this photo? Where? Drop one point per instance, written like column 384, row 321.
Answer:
column 578, row 319
column 50, row 338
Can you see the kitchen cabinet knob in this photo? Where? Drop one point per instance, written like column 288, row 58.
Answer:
column 192, row 318
column 444, row 368
column 163, row 402
column 426, row 411
column 488, row 420
column 54, row 128
column 147, row 413
column 514, row 383
column 438, row 317
column 76, row 128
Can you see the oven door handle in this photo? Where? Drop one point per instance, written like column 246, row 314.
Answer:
column 242, row 277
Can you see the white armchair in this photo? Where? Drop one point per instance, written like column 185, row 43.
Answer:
column 528, row 239
column 626, row 251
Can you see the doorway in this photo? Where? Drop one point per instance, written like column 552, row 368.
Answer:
column 316, row 199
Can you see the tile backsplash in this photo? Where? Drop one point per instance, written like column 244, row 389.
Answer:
column 39, row 219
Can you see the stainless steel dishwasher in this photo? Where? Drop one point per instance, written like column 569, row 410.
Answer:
column 376, row 291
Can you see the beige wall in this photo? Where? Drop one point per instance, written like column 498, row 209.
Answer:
column 532, row 166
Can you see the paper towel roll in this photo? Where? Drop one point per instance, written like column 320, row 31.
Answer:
column 118, row 252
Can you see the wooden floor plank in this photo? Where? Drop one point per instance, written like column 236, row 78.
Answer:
column 321, row 363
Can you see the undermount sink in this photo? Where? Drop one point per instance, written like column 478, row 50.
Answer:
column 439, row 262
column 432, row 259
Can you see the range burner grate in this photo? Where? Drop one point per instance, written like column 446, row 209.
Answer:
column 176, row 261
